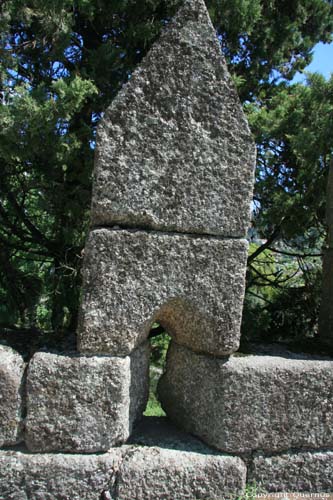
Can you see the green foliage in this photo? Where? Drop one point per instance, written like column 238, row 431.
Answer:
column 153, row 408
column 252, row 490
column 159, row 347
column 264, row 41
column 283, row 298
column 42, row 201
column 295, row 146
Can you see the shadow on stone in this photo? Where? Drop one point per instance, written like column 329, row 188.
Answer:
column 161, row 432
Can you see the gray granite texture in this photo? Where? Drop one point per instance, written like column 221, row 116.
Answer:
column 301, row 472
column 11, row 404
column 152, row 473
column 174, row 151
column 84, row 404
column 26, row 476
column 179, row 468
column 250, row 403
column 176, row 465
column 194, row 286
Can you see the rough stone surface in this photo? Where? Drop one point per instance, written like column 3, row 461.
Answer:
column 152, row 473
column 11, row 375
column 250, row 403
column 160, row 432
column 179, row 467
column 25, row 476
column 301, row 472
column 193, row 285
column 84, row 404
column 176, row 466
column 174, row 151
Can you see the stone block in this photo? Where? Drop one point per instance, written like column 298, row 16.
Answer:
column 304, row 471
column 248, row 403
column 11, row 404
column 174, row 151
column 194, row 286
column 152, row 473
column 176, row 465
column 84, row 404
column 25, row 476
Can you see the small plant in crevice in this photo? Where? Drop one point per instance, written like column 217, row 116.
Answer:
column 159, row 340
column 252, row 490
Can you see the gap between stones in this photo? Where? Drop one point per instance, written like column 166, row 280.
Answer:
column 152, row 230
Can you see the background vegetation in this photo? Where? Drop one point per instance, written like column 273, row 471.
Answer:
column 63, row 61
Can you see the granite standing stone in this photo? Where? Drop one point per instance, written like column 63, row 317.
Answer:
column 24, row 476
column 194, row 286
column 301, row 472
column 174, row 150
column 11, row 404
column 84, row 404
column 250, row 403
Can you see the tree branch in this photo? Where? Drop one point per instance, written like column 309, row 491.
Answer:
column 291, row 254
column 274, row 236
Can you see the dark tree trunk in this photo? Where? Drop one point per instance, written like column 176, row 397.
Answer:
column 326, row 310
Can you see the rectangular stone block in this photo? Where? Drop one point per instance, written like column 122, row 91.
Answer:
column 84, row 404
column 12, row 369
column 152, row 473
column 248, row 403
column 304, row 471
column 167, row 463
column 24, row 476
column 193, row 286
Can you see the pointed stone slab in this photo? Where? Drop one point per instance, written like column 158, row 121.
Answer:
column 246, row 403
column 174, row 151
column 193, row 286
column 84, row 404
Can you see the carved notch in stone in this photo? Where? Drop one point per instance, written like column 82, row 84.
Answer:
column 174, row 150
column 193, row 285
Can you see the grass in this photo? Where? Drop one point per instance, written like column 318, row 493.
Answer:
column 159, row 347
column 251, row 492
column 154, row 408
